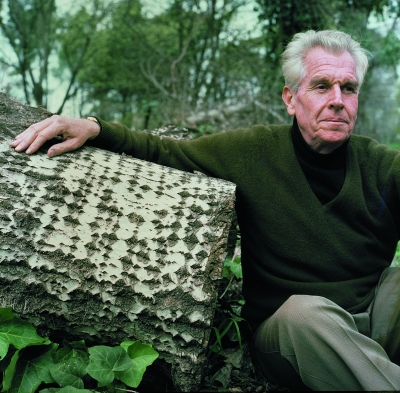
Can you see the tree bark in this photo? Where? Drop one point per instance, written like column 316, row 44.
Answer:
column 104, row 247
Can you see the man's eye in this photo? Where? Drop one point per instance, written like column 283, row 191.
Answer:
column 349, row 89
column 321, row 87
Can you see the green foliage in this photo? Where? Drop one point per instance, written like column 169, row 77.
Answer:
column 67, row 389
column 29, row 27
column 194, row 64
column 230, row 328
column 28, row 368
column 232, row 268
column 70, row 363
column 226, row 349
column 394, row 145
column 29, row 362
column 16, row 332
column 206, row 129
column 142, row 355
column 105, row 363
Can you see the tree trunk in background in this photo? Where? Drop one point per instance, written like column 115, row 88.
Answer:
column 103, row 247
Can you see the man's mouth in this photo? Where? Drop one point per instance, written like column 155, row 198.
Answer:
column 336, row 120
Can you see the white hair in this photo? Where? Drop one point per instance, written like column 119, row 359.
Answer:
column 334, row 41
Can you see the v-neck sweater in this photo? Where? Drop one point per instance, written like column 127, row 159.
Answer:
column 291, row 242
column 324, row 172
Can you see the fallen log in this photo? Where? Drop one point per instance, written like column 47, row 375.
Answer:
column 104, row 247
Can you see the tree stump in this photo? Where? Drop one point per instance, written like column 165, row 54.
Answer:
column 104, row 247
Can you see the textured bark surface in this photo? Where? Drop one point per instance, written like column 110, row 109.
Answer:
column 103, row 247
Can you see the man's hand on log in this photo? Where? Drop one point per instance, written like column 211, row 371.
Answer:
column 73, row 132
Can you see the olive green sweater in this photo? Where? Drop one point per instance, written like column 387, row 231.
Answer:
column 291, row 243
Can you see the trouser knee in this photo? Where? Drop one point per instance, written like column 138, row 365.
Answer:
column 300, row 315
column 303, row 311
column 273, row 344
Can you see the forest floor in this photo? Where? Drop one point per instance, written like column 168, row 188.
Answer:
column 229, row 363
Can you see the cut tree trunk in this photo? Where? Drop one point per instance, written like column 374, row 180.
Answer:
column 104, row 247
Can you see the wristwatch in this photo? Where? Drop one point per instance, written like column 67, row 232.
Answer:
column 91, row 118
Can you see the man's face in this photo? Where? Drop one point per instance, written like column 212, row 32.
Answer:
column 326, row 103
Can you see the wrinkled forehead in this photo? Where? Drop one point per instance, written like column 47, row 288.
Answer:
column 320, row 62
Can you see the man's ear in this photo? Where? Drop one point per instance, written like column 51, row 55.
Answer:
column 288, row 97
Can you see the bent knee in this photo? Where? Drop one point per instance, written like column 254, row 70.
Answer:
column 305, row 303
column 303, row 308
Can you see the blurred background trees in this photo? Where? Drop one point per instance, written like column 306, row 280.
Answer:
column 206, row 64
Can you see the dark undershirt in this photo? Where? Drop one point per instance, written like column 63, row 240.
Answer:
column 324, row 172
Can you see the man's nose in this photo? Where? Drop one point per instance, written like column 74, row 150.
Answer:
column 336, row 99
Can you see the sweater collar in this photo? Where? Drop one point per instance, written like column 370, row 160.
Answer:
column 304, row 152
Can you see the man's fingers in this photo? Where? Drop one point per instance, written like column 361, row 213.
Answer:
column 35, row 136
column 74, row 132
column 40, row 138
column 63, row 147
column 23, row 140
column 35, row 128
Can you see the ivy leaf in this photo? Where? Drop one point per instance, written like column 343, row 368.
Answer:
column 69, row 372
column 10, row 371
column 3, row 348
column 142, row 355
column 17, row 332
column 71, row 350
column 28, row 368
column 105, row 361
column 232, row 268
column 77, row 345
column 4, row 363
column 66, row 389
column 70, row 363
column 6, row 314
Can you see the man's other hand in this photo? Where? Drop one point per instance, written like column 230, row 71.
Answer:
column 73, row 132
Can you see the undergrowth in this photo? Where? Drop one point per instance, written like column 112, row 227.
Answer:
column 31, row 363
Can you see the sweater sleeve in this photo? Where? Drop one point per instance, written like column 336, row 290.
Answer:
column 220, row 155
column 381, row 168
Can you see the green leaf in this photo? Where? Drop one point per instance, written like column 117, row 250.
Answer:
column 72, row 349
column 16, row 332
column 10, row 371
column 217, row 346
column 105, row 361
column 66, row 389
column 70, row 363
column 3, row 348
column 232, row 268
column 142, row 355
column 28, row 368
column 4, row 363
column 70, row 372
column 78, row 345
column 6, row 314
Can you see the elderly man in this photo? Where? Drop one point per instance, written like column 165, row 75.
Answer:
column 319, row 212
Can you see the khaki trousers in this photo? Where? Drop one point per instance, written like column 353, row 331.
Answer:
column 311, row 343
